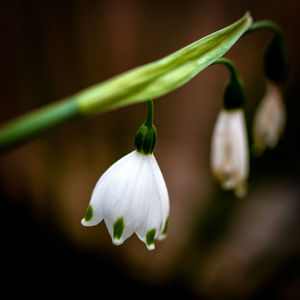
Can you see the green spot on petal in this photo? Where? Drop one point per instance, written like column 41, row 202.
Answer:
column 89, row 213
column 150, row 237
column 166, row 227
column 118, row 228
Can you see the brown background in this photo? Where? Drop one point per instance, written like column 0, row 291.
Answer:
column 217, row 247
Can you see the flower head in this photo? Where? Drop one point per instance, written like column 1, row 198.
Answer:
column 229, row 151
column 269, row 119
column 131, row 197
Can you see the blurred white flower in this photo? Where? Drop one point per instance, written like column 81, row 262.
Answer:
column 131, row 197
column 229, row 151
column 269, row 119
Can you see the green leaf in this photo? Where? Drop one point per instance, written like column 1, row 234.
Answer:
column 158, row 78
column 140, row 84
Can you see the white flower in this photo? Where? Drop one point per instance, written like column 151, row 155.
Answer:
column 131, row 196
column 269, row 119
column 229, row 151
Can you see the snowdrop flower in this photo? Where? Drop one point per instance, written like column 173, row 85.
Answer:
column 229, row 155
column 131, row 196
column 229, row 145
column 269, row 119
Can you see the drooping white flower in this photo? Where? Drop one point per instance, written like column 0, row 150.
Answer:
column 229, row 151
column 269, row 120
column 131, row 197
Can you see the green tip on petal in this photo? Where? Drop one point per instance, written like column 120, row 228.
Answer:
column 118, row 228
column 89, row 214
column 150, row 238
column 166, row 227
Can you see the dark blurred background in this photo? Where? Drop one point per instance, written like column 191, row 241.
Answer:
column 218, row 247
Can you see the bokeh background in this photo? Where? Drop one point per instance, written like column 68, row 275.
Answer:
column 218, row 247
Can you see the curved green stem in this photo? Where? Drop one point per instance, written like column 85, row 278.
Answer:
column 229, row 64
column 265, row 24
column 234, row 91
column 275, row 56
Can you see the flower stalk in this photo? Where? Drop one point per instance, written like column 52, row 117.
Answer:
column 275, row 57
column 265, row 24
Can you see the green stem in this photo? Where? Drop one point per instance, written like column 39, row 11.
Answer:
column 275, row 56
column 150, row 112
column 229, row 64
column 37, row 122
column 265, row 24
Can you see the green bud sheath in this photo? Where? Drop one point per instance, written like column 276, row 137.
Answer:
column 145, row 138
column 234, row 94
column 234, row 91
column 275, row 59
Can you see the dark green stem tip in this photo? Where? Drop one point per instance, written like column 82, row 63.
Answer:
column 234, row 91
column 275, row 59
column 145, row 138
column 234, row 94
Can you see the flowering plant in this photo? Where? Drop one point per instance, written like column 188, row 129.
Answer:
column 131, row 196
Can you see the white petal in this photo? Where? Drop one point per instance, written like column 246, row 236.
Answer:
column 157, row 202
column 163, row 195
column 229, row 157
column 269, row 119
column 102, row 191
column 123, row 197
column 152, row 213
